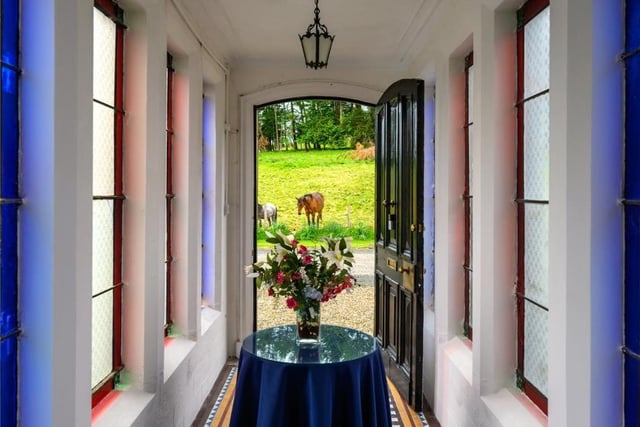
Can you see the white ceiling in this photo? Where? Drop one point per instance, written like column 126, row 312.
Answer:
column 368, row 33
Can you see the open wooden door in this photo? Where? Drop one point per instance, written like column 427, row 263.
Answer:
column 399, row 243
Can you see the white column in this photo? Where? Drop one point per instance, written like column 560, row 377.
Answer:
column 55, row 219
column 494, row 219
column 144, row 179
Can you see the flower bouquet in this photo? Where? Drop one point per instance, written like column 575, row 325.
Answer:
column 305, row 277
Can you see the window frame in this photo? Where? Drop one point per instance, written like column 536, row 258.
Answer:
column 10, row 202
column 467, row 200
column 169, row 198
column 116, row 14
column 525, row 14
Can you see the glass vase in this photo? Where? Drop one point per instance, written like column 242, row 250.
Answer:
column 308, row 324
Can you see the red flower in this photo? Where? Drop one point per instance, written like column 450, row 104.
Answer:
column 302, row 250
column 296, row 275
column 294, row 242
column 270, row 292
column 306, row 260
column 280, row 277
column 291, row 303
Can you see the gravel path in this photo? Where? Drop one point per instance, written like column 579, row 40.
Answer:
column 352, row 309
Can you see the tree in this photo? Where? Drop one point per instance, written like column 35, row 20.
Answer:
column 316, row 124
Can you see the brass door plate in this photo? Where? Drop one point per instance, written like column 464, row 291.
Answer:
column 408, row 276
column 392, row 263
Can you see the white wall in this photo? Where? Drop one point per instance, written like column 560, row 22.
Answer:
column 469, row 384
column 55, row 217
column 166, row 381
column 475, row 382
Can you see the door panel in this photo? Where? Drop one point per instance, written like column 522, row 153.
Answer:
column 399, row 243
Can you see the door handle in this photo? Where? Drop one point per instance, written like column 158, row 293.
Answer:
column 389, row 203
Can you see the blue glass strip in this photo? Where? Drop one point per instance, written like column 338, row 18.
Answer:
column 632, row 39
column 8, row 313
column 10, row 22
column 632, row 127
column 632, row 391
column 632, row 277
column 9, row 213
column 9, row 147
column 632, row 215
column 8, row 383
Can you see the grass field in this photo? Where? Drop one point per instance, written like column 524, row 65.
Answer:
column 348, row 187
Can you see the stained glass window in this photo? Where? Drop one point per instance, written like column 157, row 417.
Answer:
column 533, row 199
column 9, row 205
column 108, row 198
column 467, row 198
column 632, row 216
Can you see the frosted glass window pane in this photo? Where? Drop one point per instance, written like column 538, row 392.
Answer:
column 103, row 150
column 102, row 265
column 536, row 256
column 536, row 338
column 104, row 57
column 101, row 337
column 470, row 86
column 536, row 148
column 536, row 54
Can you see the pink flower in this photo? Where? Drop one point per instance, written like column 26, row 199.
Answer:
column 294, row 242
column 291, row 303
column 302, row 250
column 280, row 277
column 296, row 275
column 306, row 259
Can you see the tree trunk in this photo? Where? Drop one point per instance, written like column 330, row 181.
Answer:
column 293, row 128
column 275, row 121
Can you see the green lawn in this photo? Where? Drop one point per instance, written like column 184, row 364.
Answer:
column 347, row 186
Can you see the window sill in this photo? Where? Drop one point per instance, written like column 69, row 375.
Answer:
column 208, row 317
column 507, row 407
column 511, row 407
column 458, row 351
column 120, row 408
column 175, row 351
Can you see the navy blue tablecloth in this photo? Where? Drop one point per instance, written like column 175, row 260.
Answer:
column 280, row 383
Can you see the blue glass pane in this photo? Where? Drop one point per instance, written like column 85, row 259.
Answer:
column 632, row 391
column 633, row 25
column 9, row 146
column 8, row 382
column 632, row 127
column 8, row 312
column 9, row 213
column 632, row 277
column 8, row 268
column 10, row 21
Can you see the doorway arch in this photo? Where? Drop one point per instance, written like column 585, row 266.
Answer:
column 248, row 104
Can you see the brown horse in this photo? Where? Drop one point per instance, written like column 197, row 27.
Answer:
column 313, row 204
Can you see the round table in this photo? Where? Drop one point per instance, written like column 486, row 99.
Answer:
column 340, row 381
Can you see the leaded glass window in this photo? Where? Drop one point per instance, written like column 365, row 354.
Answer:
column 9, row 212
column 169, row 197
column 467, row 198
column 533, row 199
column 631, row 346
column 108, row 197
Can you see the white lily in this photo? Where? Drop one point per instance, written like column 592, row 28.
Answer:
column 287, row 239
column 280, row 252
column 335, row 257
column 250, row 273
